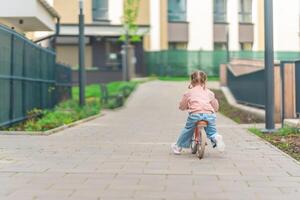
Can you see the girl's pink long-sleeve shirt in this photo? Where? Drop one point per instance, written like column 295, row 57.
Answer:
column 199, row 100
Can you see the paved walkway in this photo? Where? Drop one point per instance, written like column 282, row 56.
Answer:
column 126, row 155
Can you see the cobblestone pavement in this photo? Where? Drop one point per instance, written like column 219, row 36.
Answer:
column 126, row 155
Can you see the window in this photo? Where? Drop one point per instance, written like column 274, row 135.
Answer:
column 100, row 10
column 177, row 45
column 113, row 58
column 245, row 13
column 246, row 46
column 220, row 46
column 220, row 10
column 177, row 10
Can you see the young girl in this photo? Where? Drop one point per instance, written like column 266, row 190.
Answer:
column 201, row 105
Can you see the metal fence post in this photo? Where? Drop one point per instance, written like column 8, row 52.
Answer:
column 40, row 77
column 81, row 56
column 23, row 81
column 282, row 93
column 11, row 91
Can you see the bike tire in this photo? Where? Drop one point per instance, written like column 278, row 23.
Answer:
column 201, row 145
column 194, row 147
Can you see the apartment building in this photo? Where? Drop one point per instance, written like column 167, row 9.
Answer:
column 103, row 28
column 28, row 16
column 214, row 24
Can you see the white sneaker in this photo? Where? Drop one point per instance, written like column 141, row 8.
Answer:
column 176, row 149
column 220, row 143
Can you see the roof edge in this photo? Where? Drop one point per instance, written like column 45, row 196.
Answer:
column 49, row 8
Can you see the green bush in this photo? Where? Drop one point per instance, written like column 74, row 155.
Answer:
column 69, row 111
column 64, row 113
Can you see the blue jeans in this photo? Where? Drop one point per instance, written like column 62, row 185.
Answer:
column 185, row 138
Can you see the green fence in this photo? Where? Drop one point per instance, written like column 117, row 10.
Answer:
column 29, row 77
column 183, row 62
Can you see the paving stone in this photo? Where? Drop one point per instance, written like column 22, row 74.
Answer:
column 126, row 155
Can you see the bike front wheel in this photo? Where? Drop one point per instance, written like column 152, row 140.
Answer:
column 194, row 147
column 201, row 144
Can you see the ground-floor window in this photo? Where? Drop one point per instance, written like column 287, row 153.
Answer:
column 220, row 46
column 113, row 55
column 246, row 46
column 177, row 45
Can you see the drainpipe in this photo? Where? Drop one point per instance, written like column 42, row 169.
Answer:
column 57, row 31
column 52, row 37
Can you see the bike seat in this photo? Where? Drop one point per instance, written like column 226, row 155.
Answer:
column 202, row 123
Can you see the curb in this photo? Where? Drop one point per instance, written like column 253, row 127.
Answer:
column 51, row 131
column 295, row 123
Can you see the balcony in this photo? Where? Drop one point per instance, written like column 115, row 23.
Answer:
column 178, row 31
column 28, row 15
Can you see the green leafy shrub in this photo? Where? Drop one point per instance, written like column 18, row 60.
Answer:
column 64, row 113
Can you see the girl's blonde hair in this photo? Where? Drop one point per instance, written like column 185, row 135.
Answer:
column 198, row 78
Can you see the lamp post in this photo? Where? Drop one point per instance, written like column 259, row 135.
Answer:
column 269, row 67
column 81, row 73
column 227, row 44
column 125, row 67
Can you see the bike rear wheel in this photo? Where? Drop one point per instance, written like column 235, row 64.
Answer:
column 201, row 144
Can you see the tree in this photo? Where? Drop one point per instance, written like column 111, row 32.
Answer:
column 131, row 11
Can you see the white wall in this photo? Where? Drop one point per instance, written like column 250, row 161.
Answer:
column 44, row 16
column 233, row 20
column 286, row 25
column 255, row 19
column 50, row 2
column 14, row 8
column 31, row 10
column 155, row 25
column 200, row 18
column 115, row 11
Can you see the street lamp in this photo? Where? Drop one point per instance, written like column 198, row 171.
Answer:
column 269, row 67
column 81, row 73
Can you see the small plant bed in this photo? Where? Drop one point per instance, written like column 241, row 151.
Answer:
column 69, row 111
column 235, row 114
column 63, row 114
column 184, row 78
column 286, row 139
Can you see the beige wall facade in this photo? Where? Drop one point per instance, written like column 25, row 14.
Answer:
column 144, row 19
column 164, row 24
column 68, row 54
column 69, row 10
column 144, row 13
column 260, row 26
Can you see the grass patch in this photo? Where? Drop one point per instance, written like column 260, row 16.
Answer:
column 114, row 88
column 169, row 78
column 286, row 139
column 93, row 90
column 235, row 114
